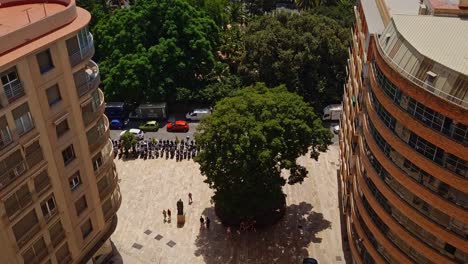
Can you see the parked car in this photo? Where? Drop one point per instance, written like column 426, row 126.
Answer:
column 150, row 126
column 336, row 129
column 140, row 135
column 177, row 126
column 197, row 114
column 309, row 261
column 116, row 124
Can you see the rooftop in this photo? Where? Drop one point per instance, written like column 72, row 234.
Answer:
column 18, row 16
column 442, row 39
column 403, row 7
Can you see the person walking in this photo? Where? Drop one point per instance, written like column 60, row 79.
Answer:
column 190, row 201
column 169, row 214
column 202, row 221
column 208, row 221
column 164, row 213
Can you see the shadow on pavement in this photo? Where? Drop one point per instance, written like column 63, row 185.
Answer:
column 284, row 242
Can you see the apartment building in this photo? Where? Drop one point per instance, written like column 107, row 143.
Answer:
column 58, row 185
column 404, row 132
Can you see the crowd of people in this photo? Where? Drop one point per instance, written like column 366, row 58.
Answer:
column 155, row 149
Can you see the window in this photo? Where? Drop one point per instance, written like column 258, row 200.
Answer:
column 68, row 155
column 44, row 59
column 25, row 228
column 33, row 154
column 49, row 208
column 12, row 84
column 19, row 200
column 41, row 181
column 97, row 161
column 75, row 181
column 53, row 95
column 63, row 254
column 5, row 134
column 57, row 234
column 61, row 128
column 23, row 119
column 86, row 228
column 81, row 205
column 36, row 253
column 449, row 248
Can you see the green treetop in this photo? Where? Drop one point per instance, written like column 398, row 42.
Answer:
column 246, row 142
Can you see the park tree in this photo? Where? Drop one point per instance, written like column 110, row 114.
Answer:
column 162, row 50
column 128, row 141
column 303, row 51
column 307, row 4
column 248, row 141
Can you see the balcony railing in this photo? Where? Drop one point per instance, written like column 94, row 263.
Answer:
column 6, row 138
column 97, row 138
column 418, row 82
column 93, row 79
column 10, row 175
column 84, row 52
column 30, row 234
column 14, row 90
column 34, row 158
column 116, row 200
column 94, row 113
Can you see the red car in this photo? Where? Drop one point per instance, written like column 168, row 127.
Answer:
column 177, row 126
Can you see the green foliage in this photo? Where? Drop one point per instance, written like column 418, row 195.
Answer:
column 341, row 12
column 155, row 51
column 259, row 7
column 307, row 4
column 98, row 9
column 248, row 139
column 216, row 9
column 305, row 52
column 128, row 140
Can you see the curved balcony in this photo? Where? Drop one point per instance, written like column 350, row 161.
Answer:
column 410, row 153
column 103, row 194
column 112, row 205
column 375, row 233
column 84, row 52
column 98, row 135
column 448, row 98
column 87, row 79
column 429, row 134
column 93, row 109
column 397, row 211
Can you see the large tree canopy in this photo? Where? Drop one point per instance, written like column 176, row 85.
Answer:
column 156, row 50
column 246, row 142
column 303, row 51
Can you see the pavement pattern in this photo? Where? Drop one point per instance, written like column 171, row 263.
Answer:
column 310, row 228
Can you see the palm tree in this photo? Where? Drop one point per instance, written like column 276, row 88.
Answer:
column 236, row 12
column 307, row 4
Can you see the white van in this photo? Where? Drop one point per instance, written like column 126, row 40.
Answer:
column 197, row 114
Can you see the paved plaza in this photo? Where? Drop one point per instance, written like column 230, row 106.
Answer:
column 311, row 226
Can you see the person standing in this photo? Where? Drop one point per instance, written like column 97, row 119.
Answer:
column 208, row 221
column 202, row 221
column 164, row 213
column 169, row 214
column 190, row 201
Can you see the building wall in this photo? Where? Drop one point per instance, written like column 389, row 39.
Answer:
column 102, row 203
column 400, row 206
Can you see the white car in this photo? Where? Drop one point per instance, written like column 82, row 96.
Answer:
column 139, row 134
column 336, row 129
column 197, row 114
